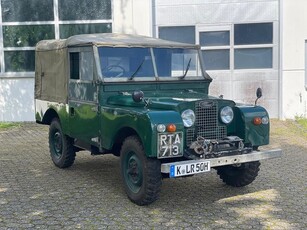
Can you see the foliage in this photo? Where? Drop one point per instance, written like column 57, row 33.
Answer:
column 8, row 125
column 302, row 122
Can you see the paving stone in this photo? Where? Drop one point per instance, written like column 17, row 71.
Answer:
column 34, row 194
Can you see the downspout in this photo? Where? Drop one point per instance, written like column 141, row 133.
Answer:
column 280, row 80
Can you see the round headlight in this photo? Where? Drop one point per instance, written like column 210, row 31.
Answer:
column 161, row 128
column 226, row 114
column 265, row 120
column 188, row 118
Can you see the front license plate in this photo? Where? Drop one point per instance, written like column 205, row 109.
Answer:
column 170, row 145
column 189, row 169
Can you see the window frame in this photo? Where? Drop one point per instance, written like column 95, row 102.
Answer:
column 254, row 46
column 232, row 47
column 201, row 29
column 80, row 51
column 56, row 22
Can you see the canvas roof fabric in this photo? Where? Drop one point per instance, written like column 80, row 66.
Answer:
column 110, row 39
column 52, row 64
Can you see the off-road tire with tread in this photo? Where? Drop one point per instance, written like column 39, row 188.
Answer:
column 141, row 175
column 60, row 145
column 239, row 176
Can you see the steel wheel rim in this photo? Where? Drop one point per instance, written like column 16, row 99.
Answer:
column 133, row 172
column 57, row 144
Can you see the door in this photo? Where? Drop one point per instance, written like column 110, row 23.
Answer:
column 83, row 96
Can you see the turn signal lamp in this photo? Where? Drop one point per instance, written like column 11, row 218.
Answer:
column 171, row 128
column 257, row 121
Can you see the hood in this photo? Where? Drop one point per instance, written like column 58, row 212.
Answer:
column 164, row 101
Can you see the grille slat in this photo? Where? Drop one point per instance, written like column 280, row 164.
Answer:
column 206, row 124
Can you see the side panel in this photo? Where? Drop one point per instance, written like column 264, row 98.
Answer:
column 256, row 135
column 144, row 124
column 44, row 112
column 83, row 112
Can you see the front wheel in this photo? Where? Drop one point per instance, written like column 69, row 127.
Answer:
column 60, row 145
column 239, row 175
column 141, row 175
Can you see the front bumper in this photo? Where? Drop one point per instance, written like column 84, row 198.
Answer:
column 229, row 160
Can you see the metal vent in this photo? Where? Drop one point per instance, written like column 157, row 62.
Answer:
column 206, row 124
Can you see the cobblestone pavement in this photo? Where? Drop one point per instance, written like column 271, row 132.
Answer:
column 34, row 194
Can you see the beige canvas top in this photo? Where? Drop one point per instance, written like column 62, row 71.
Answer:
column 51, row 59
column 109, row 39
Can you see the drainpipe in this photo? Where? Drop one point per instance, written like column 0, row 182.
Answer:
column 280, row 80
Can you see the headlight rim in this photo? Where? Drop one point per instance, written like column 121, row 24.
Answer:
column 184, row 117
column 222, row 117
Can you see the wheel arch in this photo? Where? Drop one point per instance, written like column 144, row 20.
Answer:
column 120, row 136
column 49, row 115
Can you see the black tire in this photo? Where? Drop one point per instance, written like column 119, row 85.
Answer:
column 61, row 146
column 239, row 176
column 141, row 175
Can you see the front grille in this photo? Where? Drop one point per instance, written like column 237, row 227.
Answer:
column 206, row 124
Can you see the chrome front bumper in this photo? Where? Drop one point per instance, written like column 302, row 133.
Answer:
column 229, row 160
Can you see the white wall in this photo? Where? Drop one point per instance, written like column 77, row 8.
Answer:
column 238, row 85
column 294, row 35
column 17, row 91
column 17, row 99
column 132, row 17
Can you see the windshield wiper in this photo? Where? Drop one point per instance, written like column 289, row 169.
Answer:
column 136, row 71
column 186, row 70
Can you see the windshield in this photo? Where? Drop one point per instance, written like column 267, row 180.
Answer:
column 136, row 62
column 176, row 62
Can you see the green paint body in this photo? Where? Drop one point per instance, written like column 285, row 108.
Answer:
column 114, row 112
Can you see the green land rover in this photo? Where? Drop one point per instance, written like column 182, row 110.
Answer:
column 145, row 100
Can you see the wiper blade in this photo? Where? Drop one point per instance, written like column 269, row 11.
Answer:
column 136, row 71
column 186, row 70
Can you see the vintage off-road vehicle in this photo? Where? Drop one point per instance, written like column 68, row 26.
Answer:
column 145, row 100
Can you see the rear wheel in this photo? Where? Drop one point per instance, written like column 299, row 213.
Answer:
column 141, row 175
column 239, row 175
column 60, row 146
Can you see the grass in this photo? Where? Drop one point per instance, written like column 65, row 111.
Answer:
column 8, row 125
column 302, row 122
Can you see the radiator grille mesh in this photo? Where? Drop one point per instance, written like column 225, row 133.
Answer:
column 206, row 124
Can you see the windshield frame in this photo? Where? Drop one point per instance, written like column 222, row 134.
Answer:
column 200, row 67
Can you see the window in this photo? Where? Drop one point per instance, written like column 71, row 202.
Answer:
column 74, row 65
column 84, row 10
column 24, row 35
column 253, row 58
column 19, row 61
column 256, row 33
column 122, row 62
column 25, row 22
column 177, row 62
column 27, row 10
column 214, row 38
column 87, row 66
column 215, row 47
column 216, row 59
column 185, row 34
column 253, row 46
column 68, row 30
column 237, row 47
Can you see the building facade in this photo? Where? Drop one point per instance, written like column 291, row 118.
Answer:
column 246, row 44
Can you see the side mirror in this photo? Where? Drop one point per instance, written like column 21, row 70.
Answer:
column 258, row 94
column 137, row 96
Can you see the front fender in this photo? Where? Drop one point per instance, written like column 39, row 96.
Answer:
column 256, row 135
column 143, row 123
